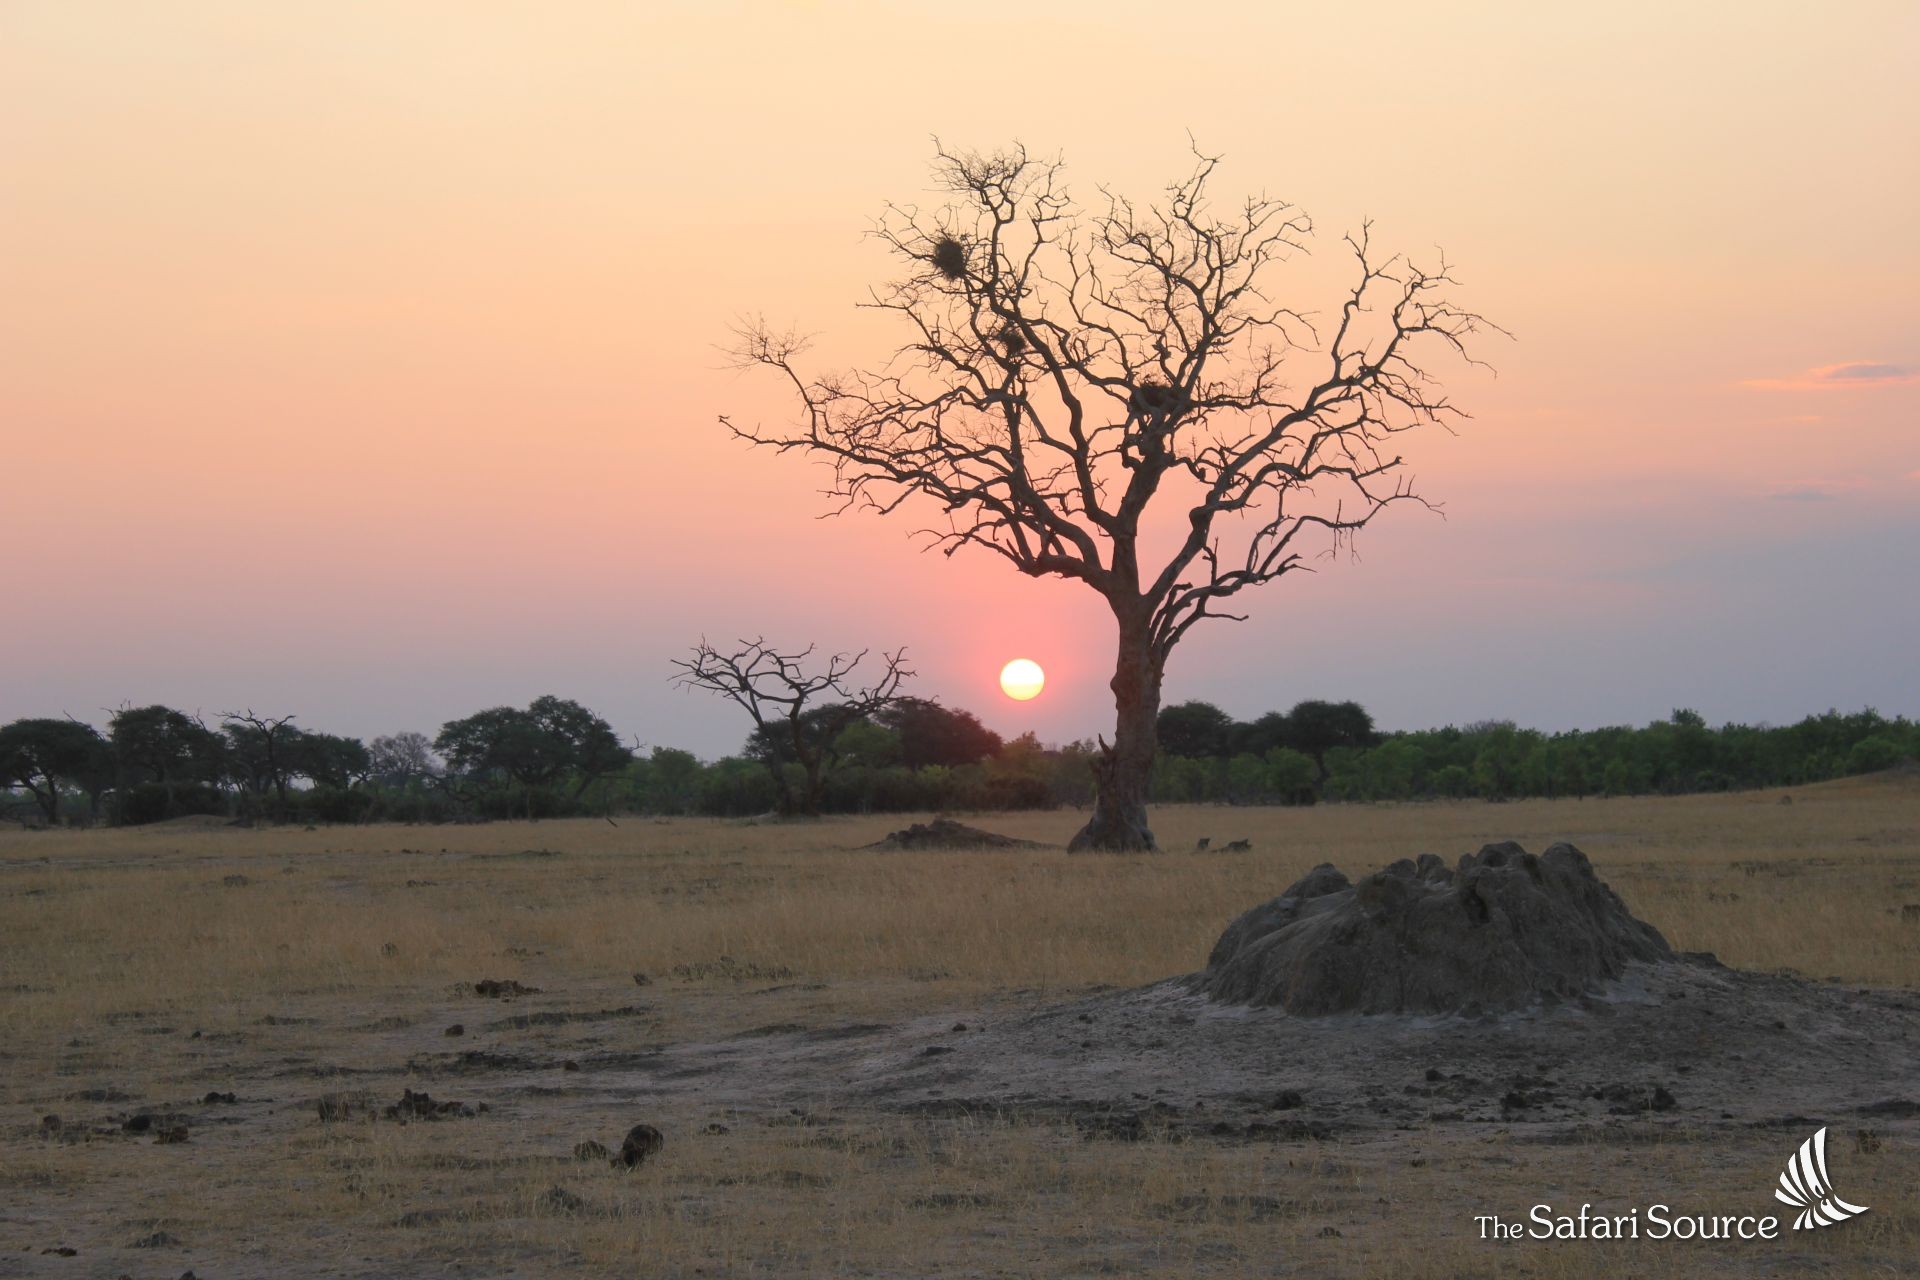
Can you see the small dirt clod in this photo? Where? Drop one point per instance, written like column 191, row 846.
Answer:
column 641, row 1141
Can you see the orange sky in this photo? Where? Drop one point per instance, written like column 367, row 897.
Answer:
column 359, row 359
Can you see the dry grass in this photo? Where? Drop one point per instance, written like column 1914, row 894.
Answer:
column 97, row 922
column 905, row 1198
column 114, row 944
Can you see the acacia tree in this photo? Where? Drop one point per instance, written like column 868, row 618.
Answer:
column 1315, row 728
column 165, row 747
column 803, row 711
column 1195, row 730
column 536, row 747
column 1112, row 395
column 45, row 757
column 931, row 734
column 330, row 760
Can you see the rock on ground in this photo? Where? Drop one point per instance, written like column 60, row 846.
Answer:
column 945, row 833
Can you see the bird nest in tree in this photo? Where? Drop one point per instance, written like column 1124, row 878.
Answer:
column 1011, row 340
column 949, row 257
column 1154, row 397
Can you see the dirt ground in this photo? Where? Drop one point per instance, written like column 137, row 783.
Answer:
column 912, row 1064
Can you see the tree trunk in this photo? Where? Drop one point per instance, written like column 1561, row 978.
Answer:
column 815, row 787
column 1119, row 821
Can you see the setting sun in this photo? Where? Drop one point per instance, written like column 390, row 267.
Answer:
column 1022, row 679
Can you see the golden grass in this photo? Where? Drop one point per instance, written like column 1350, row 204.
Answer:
column 113, row 944
column 98, row 922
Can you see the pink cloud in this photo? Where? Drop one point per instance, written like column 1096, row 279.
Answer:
column 1809, row 492
column 1851, row 373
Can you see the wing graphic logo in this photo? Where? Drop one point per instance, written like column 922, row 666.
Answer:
column 1806, row 1187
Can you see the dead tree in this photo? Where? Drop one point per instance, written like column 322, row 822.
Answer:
column 803, row 712
column 260, row 749
column 1114, row 396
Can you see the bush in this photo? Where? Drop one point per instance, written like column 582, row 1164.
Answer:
column 155, row 802
column 1622, row 778
column 1177, row 780
column 734, row 788
column 1290, row 775
column 1018, row 791
column 514, row 801
column 411, row 805
column 334, row 804
column 1453, row 782
column 1872, row 754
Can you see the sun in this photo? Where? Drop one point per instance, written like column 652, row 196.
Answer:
column 1022, row 679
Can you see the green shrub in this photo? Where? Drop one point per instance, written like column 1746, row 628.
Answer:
column 1871, row 754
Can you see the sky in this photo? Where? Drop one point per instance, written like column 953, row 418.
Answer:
column 362, row 360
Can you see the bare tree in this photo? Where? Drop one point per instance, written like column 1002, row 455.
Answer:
column 261, row 750
column 398, row 759
column 1113, row 396
column 803, row 712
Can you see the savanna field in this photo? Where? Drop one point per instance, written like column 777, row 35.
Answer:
column 153, row 971
column 685, row 641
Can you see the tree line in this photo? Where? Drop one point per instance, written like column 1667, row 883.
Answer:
column 551, row 758
column 555, row 757
column 157, row 762
column 1331, row 751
